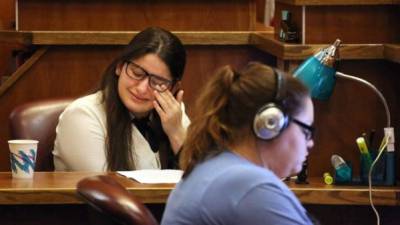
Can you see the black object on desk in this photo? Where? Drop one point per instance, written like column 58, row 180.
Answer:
column 303, row 175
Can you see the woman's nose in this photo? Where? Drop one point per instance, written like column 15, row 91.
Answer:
column 143, row 85
column 310, row 144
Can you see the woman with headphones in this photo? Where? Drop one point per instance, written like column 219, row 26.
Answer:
column 252, row 128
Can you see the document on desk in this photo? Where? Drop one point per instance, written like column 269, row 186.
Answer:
column 153, row 176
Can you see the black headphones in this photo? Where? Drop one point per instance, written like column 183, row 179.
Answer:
column 270, row 120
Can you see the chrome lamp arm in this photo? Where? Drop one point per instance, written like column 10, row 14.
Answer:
column 349, row 77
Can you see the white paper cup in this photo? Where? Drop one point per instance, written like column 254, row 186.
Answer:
column 22, row 157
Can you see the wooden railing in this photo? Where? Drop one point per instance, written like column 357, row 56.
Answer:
column 120, row 37
column 264, row 41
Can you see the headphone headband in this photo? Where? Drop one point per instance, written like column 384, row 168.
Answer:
column 280, row 85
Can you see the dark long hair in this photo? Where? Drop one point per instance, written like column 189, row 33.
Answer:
column 119, row 128
column 226, row 108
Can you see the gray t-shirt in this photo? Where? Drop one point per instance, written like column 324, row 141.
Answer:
column 228, row 189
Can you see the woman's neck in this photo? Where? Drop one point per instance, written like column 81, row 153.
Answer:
column 140, row 115
column 247, row 149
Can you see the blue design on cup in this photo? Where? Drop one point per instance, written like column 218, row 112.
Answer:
column 28, row 161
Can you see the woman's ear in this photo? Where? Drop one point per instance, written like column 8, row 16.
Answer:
column 118, row 69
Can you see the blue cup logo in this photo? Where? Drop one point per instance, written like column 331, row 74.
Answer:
column 23, row 157
column 23, row 162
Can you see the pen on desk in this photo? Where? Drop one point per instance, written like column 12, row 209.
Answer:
column 364, row 152
column 371, row 139
column 364, row 135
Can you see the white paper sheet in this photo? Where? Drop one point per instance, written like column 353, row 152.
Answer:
column 154, row 176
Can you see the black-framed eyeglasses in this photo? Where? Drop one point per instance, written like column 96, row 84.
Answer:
column 156, row 82
column 306, row 129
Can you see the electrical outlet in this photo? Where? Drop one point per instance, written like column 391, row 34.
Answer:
column 389, row 132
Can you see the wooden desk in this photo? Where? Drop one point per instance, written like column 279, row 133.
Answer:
column 60, row 188
column 50, row 199
column 318, row 193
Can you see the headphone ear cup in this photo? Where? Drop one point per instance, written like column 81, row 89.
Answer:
column 269, row 122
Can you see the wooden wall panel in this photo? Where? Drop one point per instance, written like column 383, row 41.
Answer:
column 136, row 15
column 7, row 17
column 260, row 10
column 7, row 63
column 352, row 24
column 71, row 71
column 7, row 14
column 203, row 61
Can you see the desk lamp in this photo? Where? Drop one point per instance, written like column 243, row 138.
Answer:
column 318, row 73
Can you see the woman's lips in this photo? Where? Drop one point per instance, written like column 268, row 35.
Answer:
column 137, row 98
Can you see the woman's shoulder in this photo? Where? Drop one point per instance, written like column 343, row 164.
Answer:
column 92, row 101
column 87, row 105
column 88, row 100
column 251, row 173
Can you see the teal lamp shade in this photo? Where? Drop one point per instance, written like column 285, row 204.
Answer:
column 320, row 79
column 318, row 72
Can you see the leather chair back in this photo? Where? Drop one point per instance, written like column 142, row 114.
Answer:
column 38, row 120
column 110, row 198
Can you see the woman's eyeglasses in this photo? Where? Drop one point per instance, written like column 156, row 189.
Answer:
column 157, row 83
column 306, row 129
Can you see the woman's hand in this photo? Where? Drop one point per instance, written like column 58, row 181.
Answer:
column 170, row 112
